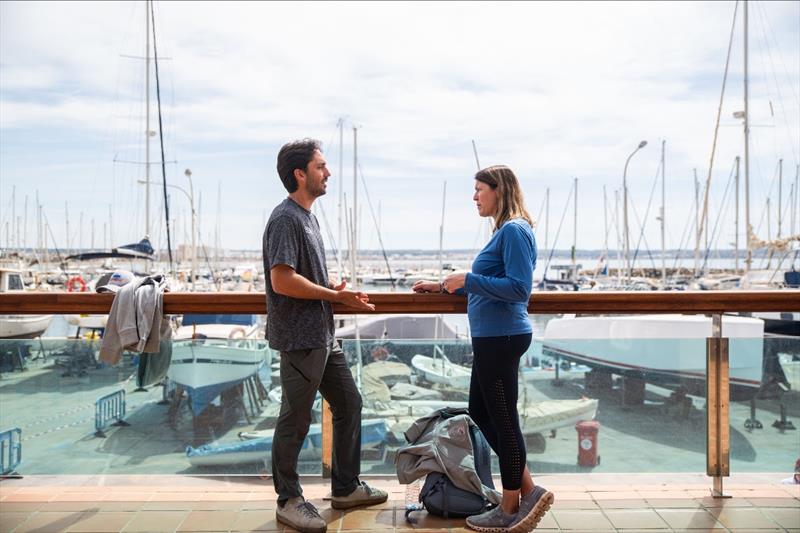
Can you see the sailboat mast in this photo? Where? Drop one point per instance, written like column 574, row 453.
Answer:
column 663, row 223
column 605, row 225
column 147, row 120
column 354, row 229
column 696, row 225
column 780, row 196
column 575, row 233
column 340, row 235
column 547, row 219
column 736, row 222
column 441, row 234
column 749, row 257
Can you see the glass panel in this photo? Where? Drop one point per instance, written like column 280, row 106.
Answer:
column 764, row 426
column 642, row 378
column 215, row 388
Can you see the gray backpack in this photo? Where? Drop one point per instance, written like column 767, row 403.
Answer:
column 440, row 497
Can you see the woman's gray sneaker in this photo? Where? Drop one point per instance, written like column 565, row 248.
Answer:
column 362, row 495
column 301, row 515
column 493, row 521
column 532, row 508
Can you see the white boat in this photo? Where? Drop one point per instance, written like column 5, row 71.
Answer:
column 211, row 353
column 441, row 370
column 400, row 327
column 547, row 415
column 19, row 326
column 407, row 391
column 665, row 349
column 256, row 446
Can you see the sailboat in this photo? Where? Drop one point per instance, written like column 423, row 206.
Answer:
column 19, row 326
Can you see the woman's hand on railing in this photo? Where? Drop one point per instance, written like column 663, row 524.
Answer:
column 424, row 285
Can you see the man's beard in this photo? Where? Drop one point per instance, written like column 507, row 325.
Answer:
column 319, row 190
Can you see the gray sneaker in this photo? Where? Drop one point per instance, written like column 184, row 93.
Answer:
column 494, row 521
column 362, row 495
column 301, row 515
column 531, row 510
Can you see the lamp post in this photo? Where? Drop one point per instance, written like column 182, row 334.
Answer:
column 625, row 210
column 190, row 196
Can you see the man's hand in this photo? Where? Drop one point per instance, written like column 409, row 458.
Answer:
column 354, row 299
column 339, row 286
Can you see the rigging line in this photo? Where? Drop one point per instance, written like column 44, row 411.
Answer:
column 558, row 232
column 375, row 221
column 61, row 263
column 646, row 244
column 646, row 214
column 161, row 139
column 714, row 235
column 764, row 23
column 764, row 209
column 716, row 126
column 330, row 235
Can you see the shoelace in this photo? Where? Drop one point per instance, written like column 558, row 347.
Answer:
column 308, row 509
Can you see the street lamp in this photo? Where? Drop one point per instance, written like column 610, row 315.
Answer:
column 625, row 210
column 190, row 196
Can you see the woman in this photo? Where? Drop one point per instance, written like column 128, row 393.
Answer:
column 498, row 289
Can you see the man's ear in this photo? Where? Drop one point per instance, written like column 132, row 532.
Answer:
column 299, row 175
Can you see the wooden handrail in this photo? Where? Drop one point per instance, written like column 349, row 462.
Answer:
column 785, row 300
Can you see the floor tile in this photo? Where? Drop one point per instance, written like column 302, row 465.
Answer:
column 10, row 520
column 743, row 518
column 673, row 503
column 168, row 506
column 634, row 503
column 263, row 521
column 92, row 522
column 784, row 517
column 20, row 507
column 208, row 521
column 148, row 521
column 581, row 520
column 681, row 519
column 635, row 519
column 43, row 522
column 382, row 520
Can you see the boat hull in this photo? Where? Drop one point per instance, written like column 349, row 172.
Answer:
column 664, row 349
column 23, row 326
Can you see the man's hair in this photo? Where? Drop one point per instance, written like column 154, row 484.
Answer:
column 510, row 201
column 294, row 155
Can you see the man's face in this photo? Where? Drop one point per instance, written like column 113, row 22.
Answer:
column 316, row 175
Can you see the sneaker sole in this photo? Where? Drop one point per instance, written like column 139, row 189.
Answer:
column 296, row 527
column 535, row 516
column 357, row 503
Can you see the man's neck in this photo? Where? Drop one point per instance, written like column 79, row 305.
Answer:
column 302, row 199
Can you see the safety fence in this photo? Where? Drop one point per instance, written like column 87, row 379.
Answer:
column 107, row 408
column 10, row 452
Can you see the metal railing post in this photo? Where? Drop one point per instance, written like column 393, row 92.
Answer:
column 718, row 442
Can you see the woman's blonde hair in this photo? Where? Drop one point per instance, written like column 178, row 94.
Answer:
column 510, row 201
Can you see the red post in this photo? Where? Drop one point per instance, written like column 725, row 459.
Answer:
column 587, row 442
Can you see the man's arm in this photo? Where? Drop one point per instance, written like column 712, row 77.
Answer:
column 287, row 282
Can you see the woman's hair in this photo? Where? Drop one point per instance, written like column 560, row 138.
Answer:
column 510, row 202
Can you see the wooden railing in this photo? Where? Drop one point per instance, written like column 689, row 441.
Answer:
column 408, row 302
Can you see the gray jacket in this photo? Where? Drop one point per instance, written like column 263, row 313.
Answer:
column 437, row 445
column 136, row 322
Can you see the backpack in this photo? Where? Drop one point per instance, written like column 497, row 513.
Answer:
column 440, row 497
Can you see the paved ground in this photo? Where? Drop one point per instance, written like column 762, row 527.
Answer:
column 596, row 503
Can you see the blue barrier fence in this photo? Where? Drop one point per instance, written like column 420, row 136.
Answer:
column 109, row 407
column 10, row 452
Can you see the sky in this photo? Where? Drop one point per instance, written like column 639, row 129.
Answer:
column 557, row 91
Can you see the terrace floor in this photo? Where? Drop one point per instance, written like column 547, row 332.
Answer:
column 591, row 503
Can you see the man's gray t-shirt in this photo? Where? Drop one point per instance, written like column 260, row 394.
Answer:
column 292, row 237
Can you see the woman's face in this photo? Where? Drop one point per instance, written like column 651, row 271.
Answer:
column 485, row 199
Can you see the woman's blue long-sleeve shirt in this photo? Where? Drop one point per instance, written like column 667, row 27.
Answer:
column 500, row 284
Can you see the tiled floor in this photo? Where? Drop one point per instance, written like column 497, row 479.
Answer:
column 594, row 503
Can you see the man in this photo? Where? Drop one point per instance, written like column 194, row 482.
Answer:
column 300, row 326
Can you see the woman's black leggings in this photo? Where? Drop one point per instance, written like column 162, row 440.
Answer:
column 493, row 395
